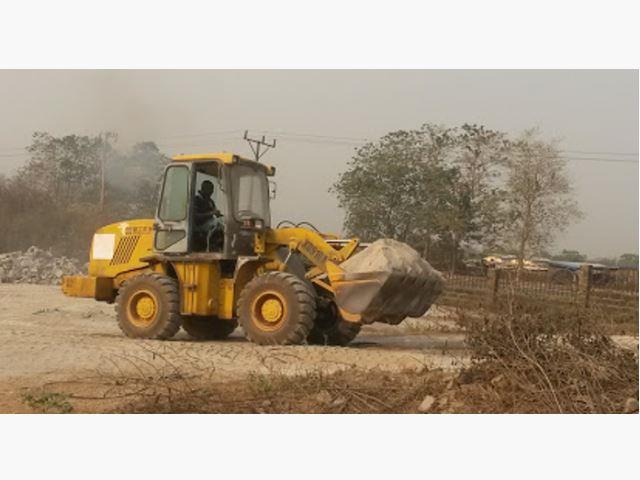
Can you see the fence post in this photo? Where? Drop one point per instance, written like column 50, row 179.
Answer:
column 584, row 284
column 493, row 276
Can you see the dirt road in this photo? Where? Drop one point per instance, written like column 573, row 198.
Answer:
column 47, row 337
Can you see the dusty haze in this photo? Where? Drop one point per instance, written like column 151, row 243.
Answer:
column 195, row 111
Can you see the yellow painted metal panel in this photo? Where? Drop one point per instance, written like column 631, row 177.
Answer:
column 90, row 287
column 259, row 245
column 198, row 287
column 226, row 299
column 221, row 157
column 118, row 247
column 311, row 244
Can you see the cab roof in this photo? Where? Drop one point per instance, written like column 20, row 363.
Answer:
column 220, row 157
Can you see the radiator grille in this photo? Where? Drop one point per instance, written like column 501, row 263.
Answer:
column 125, row 249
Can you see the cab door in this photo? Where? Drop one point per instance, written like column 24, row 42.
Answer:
column 172, row 216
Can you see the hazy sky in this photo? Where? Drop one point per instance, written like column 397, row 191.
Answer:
column 198, row 111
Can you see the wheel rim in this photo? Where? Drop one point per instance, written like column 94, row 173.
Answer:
column 142, row 308
column 269, row 310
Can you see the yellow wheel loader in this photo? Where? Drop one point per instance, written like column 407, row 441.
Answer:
column 286, row 285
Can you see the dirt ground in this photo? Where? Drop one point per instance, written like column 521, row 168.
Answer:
column 49, row 342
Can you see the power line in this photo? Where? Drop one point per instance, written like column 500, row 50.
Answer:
column 316, row 139
column 186, row 135
column 293, row 134
column 196, row 145
column 320, row 138
column 204, row 134
column 343, row 140
column 18, row 149
column 602, row 153
column 605, row 160
column 190, row 146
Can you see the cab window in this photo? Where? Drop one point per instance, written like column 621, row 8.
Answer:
column 218, row 195
column 175, row 195
column 250, row 193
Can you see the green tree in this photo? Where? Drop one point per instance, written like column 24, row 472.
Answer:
column 474, row 214
column 55, row 196
column 570, row 256
column 54, row 200
column 431, row 183
column 628, row 260
column 609, row 261
column 66, row 168
column 393, row 188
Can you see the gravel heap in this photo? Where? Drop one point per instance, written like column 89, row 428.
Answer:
column 35, row 266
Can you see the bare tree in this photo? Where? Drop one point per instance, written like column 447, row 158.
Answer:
column 538, row 194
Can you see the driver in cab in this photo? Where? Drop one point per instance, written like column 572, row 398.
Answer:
column 207, row 216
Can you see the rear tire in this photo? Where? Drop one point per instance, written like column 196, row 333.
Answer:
column 331, row 329
column 148, row 306
column 208, row 328
column 277, row 308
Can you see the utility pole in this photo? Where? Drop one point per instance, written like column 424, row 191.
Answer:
column 105, row 137
column 258, row 143
column 102, row 162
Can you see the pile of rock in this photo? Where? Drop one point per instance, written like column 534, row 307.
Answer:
column 35, row 266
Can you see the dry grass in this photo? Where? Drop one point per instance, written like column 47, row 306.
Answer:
column 348, row 391
column 528, row 361
column 524, row 361
column 132, row 384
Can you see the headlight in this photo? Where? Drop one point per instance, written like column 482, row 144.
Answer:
column 259, row 224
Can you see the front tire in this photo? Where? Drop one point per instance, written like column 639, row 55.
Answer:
column 277, row 308
column 331, row 329
column 208, row 328
column 148, row 306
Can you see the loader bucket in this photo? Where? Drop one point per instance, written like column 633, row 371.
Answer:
column 387, row 282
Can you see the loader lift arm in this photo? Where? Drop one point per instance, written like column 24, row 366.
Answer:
column 313, row 247
column 352, row 292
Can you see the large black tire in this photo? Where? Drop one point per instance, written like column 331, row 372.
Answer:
column 208, row 328
column 148, row 306
column 277, row 308
column 331, row 329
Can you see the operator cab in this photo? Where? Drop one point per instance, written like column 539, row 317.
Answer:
column 212, row 204
column 208, row 203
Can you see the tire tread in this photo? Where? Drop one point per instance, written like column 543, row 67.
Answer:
column 306, row 303
column 172, row 295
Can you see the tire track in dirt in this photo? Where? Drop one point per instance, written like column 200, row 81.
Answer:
column 45, row 335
